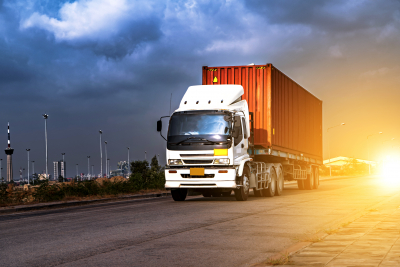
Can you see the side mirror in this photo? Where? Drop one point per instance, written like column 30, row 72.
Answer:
column 159, row 126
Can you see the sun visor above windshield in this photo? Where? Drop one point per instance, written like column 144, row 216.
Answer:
column 200, row 97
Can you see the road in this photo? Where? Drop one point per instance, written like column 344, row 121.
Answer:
column 197, row 232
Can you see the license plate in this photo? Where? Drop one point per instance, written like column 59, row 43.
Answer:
column 196, row 171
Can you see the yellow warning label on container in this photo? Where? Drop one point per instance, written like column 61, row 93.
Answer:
column 215, row 80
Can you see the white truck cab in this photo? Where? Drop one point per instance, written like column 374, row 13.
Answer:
column 208, row 143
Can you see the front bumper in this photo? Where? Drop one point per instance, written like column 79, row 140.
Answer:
column 182, row 179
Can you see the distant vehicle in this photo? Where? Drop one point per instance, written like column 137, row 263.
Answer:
column 245, row 127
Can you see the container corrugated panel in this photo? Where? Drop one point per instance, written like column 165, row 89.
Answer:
column 287, row 117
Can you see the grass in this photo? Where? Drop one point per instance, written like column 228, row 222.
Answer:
column 281, row 260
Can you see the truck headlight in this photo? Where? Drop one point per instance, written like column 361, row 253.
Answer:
column 175, row 162
column 221, row 161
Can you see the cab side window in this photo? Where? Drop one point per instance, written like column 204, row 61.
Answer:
column 238, row 128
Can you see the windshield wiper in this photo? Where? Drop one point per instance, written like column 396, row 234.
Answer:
column 197, row 138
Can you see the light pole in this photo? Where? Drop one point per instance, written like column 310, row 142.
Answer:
column 106, row 158
column 128, row 162
column 329, row 149
column 369, row 163
column 88, row 167
column 45, row 116
column 33, row 169
column 77, row 172
column 108, row 166
column 27, row 150
column 23, row 174
column 101, row 155
column 92, row 169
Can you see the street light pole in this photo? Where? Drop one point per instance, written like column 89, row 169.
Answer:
column 45, row 116
column 101, row 156
column 329, row 149
column 369, row 163
column 106, row 158
column 92, row 169
column 88, row 167
column 108, row 166
column 129, row 165
column 77, row 172
column 27, row 150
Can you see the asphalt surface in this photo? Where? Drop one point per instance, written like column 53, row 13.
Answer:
column 197, row 232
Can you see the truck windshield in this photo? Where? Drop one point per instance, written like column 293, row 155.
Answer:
column 217, row 125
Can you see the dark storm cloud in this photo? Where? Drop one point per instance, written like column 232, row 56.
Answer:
column 329, row 15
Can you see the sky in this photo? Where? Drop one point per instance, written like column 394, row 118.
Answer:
column 112, row 65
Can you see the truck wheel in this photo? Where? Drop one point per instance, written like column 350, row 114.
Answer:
column 179, row 194
column 300, row 184
column 242, row 193
column 227, row 194
column 309, row 182
column 270, row 191
column 280, row 183
column 316, row 178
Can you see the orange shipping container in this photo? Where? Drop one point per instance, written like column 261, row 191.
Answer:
column 287, row 117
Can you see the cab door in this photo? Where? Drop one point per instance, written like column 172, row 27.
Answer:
column 241, row 142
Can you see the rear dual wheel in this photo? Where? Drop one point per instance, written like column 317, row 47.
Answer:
column 270, row 191
column 316, row 177
column 309, row 182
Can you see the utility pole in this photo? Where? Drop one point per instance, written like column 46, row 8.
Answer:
column 106, row 159
column 27, row 150
column 101, row 156
column 45, row 116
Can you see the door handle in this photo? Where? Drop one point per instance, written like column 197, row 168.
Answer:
column 242, row 145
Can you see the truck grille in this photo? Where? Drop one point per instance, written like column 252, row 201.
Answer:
column 196, row 155
column 197, row 176
column 194, row 161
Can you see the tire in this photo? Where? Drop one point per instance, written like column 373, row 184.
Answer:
column 242, row 193
column 179, row 194
column 300, row 184
column 270, row 191
column 257, row 193
column 227, row 194
column 206, row 194
column 316, row 178
column 280, row 183
column 309, row 182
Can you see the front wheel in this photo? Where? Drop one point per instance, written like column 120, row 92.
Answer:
column 242, row 193
column 179, row 194
column 270, row 191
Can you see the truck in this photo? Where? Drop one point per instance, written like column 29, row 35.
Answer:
column 245, row 128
